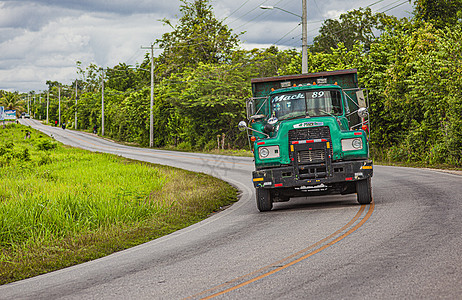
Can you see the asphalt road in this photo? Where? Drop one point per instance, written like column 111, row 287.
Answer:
column 406, row 245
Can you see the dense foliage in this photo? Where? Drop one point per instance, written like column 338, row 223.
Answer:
column 410, row 67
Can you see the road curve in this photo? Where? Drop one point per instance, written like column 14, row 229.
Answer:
column 404, row 245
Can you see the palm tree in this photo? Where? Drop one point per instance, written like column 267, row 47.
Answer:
column 11, row 101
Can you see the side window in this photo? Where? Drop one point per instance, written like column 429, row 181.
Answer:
column 336, row 102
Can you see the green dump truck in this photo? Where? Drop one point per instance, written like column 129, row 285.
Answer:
column 310, row 136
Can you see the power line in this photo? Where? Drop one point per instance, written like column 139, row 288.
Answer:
column 247, row 14
column 236, row 9
column 287, row 34
column 375, row 3
column 388, row 5
column 256, row 17
column 404, row 2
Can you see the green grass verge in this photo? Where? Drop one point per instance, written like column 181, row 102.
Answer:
column 61, row 206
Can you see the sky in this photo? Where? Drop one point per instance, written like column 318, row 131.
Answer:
column 43, row 39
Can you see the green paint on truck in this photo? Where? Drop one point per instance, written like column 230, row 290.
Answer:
column 310, row 136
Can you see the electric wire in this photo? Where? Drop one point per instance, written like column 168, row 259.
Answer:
column 404, row 2
column 259, row 15
column 253, row 9
column 234, row 11
column 375, row 3
column 286, row 34
column 393, row 3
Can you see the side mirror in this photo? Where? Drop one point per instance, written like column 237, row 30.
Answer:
column 363, row 113
column 242, row 125
column 272, row 120
column 256, row 117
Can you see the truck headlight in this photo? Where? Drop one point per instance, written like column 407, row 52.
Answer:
column 352, row 144
column 264, row 152
column 268, row 152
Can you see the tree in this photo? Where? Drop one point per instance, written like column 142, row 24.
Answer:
column 11, row 100
column 440, row 13
column 121, row 77
column 52, row 84
column 264, row 62
column 90, row 77
column 198, row 37
column 356, row 26
column 212, row 98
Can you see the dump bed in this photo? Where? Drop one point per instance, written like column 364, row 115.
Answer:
column 346, row 79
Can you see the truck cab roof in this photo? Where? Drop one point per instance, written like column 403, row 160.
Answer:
column 305, row 87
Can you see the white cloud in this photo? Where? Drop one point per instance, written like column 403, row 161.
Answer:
column 41, row 40
column 90, row 38
column 333, row 14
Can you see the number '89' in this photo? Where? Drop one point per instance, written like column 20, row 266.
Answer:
column 317, row 94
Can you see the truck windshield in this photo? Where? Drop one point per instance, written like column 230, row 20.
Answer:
column 306, row 103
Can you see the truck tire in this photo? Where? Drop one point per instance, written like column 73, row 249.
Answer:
column 364, row 191
column 264, row 200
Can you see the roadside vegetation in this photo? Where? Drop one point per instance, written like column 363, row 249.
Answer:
column 411, row 68
column 61, row 206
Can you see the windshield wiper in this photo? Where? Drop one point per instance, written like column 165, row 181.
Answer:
column 295, row 115
column 332, row 115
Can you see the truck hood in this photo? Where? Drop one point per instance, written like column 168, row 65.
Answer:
column 337, row 134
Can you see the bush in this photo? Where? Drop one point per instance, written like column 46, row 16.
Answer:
column 186, row 146
column 45, row 144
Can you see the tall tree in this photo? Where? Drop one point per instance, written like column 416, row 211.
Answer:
column 90, row 77
column 198, row 37
column 440, row 13
column 356, row 26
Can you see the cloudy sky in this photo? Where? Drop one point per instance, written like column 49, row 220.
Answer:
column 43, row 39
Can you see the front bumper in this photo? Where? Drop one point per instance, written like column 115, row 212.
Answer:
column 338, row 172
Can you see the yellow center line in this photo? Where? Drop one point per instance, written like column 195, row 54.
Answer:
column 361, row 223
column 352, row 221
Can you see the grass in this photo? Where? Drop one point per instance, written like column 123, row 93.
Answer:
column 61, row 206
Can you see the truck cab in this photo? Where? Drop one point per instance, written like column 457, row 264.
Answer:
column 310, row 137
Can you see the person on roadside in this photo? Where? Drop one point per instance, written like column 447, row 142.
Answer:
column 56, row 123
column 63, row 125
column 95, row 129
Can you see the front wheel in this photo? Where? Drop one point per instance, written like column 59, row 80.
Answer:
column 364, row 191
column 264, row 200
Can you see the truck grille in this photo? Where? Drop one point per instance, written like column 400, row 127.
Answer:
column 311, row 156
column 311, row 133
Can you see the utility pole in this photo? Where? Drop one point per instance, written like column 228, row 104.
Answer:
column 48, row 102
column 59, row 105
column 75, row 121
column 102, row 101
column 151, row 117
column 304, row 38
